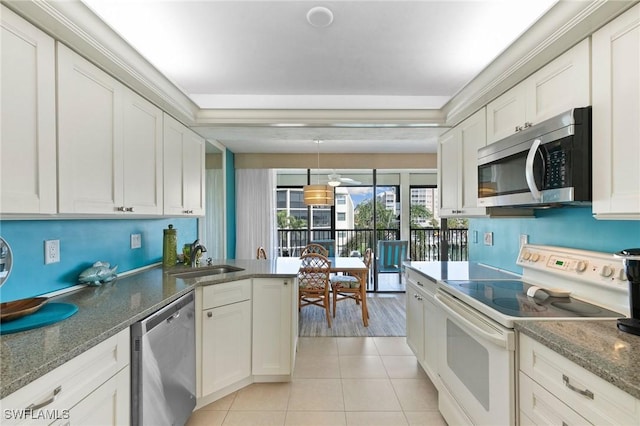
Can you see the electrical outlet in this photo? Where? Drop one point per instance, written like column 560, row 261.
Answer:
column 524, row 239
column 488, row 238
column 51, row 251
column 136, row 241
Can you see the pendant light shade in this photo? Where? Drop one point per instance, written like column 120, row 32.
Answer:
column 318, row 195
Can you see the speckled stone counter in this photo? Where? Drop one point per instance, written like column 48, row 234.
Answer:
column 106, row 310
column 455, row 270
column 597, row 346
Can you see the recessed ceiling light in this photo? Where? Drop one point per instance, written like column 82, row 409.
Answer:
column 320, row 17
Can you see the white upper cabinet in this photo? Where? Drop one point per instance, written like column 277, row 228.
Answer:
column 90, row 136
column 110, row 143
column 142, row 156
column 616, row 118
column 27, row 114
column 184, row 170
column 562, row 84
column 458, row 167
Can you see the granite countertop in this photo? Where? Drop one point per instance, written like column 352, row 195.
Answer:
column 597, row 346
column 456, row 270
column 108, row 309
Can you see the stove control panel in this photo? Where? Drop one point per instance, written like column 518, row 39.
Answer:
column 582, row 265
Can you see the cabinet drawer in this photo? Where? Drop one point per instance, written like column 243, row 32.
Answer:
column 541, row 408
column 420, row 281
column 75, row 380
column 226, row 293
column 595, row 399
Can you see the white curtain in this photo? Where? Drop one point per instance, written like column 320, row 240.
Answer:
column 214, row 221
column 255, row 212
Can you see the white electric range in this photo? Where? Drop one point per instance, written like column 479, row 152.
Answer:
column 476, row 340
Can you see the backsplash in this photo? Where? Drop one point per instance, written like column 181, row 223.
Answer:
column 82, row 242
column 572, row 227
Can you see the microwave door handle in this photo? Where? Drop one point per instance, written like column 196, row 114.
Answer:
column 528, row 170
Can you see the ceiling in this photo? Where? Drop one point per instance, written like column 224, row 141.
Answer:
column 321, row 55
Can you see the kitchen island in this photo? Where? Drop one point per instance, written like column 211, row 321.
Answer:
column 108, row 309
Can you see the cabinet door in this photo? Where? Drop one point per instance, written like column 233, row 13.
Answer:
column 226, row 346
column 415, row 321
column 183, row 170
column 561, row 85
column 449, row 163
column 194, row 171
column 109, row 404
column 473, row 136
column 506, row 113
column 432, row 323
column 616, row 112
column 27, row 113
column 272, row 327
column 89, row 136
column 142, row 155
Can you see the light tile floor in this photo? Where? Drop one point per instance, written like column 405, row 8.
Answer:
column 337, row 381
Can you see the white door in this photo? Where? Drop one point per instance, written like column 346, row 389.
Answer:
column 415, row 321
column 506, row 113
column 473, row 136
column 449, row 164
column 142, row 155
column 89, row 137
column 27, row 113
column 272, row 331
column 616, row 118
column 226, row 346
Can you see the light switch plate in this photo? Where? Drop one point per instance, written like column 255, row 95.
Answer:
column 136, row 241
column 488, row 238
column 524, row 239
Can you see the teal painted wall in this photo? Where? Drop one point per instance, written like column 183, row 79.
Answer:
column 231, row 204
column 82, row 242
column 566, row 227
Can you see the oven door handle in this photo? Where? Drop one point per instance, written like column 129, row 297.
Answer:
column 528, row 170
column 484, row 331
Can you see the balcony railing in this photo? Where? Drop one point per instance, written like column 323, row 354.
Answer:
column 424, row 242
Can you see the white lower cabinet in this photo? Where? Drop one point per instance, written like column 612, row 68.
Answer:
column 225, row 336
column 422, row 323
column 275, row 327
column 92, row 388
column 107, row 405
column 555, row 390
column 248, row 333
column 226, row 346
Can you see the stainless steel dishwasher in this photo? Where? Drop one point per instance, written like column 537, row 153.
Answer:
column 163, row 365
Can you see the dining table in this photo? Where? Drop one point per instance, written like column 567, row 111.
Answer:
column 339, row 264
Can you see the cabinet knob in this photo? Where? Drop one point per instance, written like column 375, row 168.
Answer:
column 188, row 211
column 209, row 314
column 129, row 209
column 286, row 282
column 528, row 124
column 120, row 209
column 518, row 128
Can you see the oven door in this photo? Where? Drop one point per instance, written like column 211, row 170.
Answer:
column 476, row 365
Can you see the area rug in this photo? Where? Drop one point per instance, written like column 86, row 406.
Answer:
column 386, row 318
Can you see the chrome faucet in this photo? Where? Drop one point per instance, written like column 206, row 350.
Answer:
column 195, row 250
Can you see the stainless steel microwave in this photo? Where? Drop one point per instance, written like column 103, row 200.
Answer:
column 543, row 165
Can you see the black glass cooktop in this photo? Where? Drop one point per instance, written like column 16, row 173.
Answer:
column 509, row 297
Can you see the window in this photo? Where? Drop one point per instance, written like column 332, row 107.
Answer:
column 341, row 200
column 342, row 216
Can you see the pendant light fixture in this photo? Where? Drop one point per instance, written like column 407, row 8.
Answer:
column 318, row 195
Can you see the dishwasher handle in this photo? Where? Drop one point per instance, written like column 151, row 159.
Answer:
column 166, row 314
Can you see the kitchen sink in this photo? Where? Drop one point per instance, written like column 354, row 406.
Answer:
column 205, row 271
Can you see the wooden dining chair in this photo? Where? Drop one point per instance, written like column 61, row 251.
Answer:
column 261, row 253
column 348, row 286
column 313, row 282
column 315, row 248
